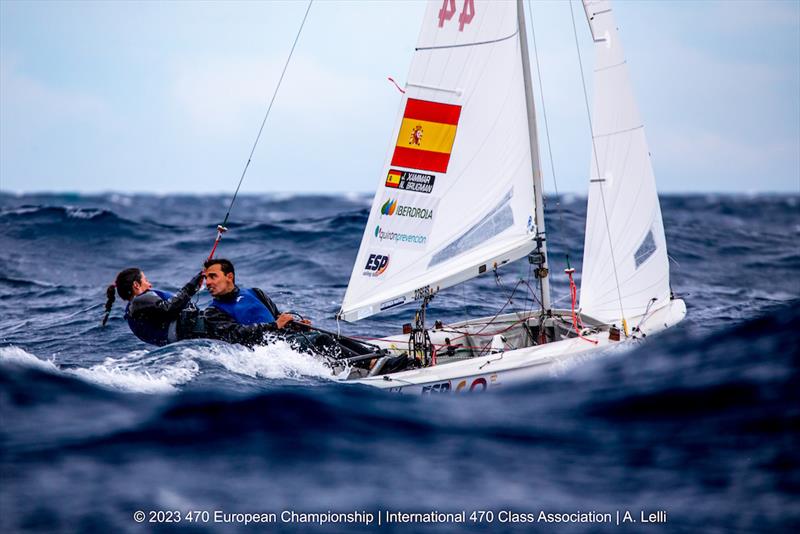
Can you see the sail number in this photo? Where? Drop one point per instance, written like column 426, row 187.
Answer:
column 478, row 384
column 449, row 9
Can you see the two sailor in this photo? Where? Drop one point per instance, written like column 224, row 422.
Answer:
column 236, row 315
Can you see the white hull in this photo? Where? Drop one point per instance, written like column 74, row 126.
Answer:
column 510, row 366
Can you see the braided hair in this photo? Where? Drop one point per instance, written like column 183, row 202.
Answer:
column 123, row 286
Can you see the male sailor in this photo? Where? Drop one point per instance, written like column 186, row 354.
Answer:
column 234, row 307
column 159, row 317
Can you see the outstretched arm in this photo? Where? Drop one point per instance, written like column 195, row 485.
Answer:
column 174, row 305
column 170, row 309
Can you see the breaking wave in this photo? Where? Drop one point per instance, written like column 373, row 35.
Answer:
column 165, row 370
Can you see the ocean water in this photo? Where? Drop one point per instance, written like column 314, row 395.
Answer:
column 700, row 422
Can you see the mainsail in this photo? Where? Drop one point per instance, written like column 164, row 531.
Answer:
column 455, row 196
column 625, row 266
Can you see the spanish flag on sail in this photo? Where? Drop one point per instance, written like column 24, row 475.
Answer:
column 426, row 135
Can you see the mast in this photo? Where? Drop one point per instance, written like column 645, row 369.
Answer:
column 534, row 140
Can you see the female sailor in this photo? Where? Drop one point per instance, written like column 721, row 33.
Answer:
column 156, row 317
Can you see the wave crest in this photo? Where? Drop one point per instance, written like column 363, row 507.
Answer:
column 166, row 369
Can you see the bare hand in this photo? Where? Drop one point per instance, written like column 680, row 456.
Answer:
column 284, row 319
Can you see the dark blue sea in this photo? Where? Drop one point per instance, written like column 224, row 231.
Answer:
column 701, row 422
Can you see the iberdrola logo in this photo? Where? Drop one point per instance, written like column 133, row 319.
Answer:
column 388, row 207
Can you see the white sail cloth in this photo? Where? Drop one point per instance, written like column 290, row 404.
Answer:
column 625, row 265
column 455, row 196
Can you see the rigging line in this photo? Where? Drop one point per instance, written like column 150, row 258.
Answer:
column 269, row 108
column 464, row 298
column 559, row 210
column 597, row 166
column 646, row 312
column 534, row 298
column 499, row 282
column 496, row 315
column 505, row 288
column 528, row 311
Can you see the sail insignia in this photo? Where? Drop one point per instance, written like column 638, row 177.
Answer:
column 426, row 136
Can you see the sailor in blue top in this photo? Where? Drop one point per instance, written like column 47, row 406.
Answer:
column 234, row 307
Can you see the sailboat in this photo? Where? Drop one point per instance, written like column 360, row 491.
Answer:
column 460, row 195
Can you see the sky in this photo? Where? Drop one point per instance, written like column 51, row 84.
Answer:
column 168, row 96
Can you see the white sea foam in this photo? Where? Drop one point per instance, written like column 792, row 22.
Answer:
column 129, row 373
column 12, row 354
column 21, row 211
column 276, row 360
column 82, row 213
column 156, row 372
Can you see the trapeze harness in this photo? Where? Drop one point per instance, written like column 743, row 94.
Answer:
column 246, row 308
column 150, row 332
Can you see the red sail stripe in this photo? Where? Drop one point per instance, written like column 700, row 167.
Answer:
column 432, row 111
column 424, row 160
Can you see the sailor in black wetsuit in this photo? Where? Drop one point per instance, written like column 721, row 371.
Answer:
column 159, row 317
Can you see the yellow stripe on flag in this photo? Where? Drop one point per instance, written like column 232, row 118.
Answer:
column 435, row 136
column 393, row 178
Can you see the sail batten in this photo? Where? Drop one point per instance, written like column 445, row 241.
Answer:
column 441, row 47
